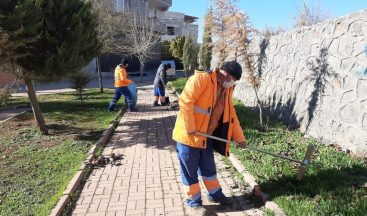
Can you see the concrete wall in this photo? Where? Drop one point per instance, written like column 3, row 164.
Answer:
column 315, row 78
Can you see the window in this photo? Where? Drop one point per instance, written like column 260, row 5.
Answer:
column 170, row 30
column 122, row 5
column 119, row 5
column 127, row 8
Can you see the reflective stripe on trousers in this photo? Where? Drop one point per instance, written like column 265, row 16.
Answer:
column 196, row 162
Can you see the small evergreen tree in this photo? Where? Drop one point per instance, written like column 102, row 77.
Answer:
column 45, row 41
column 189, row 57
column 79, row 82
column 176, row 47
column 205, row 54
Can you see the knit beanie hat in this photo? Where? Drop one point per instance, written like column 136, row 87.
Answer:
column 124, row 62
column 168, row 65
column 233, row 68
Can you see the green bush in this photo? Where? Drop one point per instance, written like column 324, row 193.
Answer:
column 79, row 82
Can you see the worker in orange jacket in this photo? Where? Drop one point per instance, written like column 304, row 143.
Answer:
column 121, row 83
column 206, row 106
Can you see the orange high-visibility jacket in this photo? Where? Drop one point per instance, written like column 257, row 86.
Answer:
column 196, row 102
column 121, row 77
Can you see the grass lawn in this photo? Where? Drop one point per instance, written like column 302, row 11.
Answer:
column 34, row 168
column 178, row 84
column 332, row 185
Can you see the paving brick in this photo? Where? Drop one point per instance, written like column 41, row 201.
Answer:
column 93, row 207
column 96, row 214
column 80, row 209
column 135, row 212
column 119, row 203
column 131, row 205
column 111, row 213
column 116, row 207
column 102, row 207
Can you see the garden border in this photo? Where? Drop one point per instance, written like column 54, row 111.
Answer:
column 79, row 176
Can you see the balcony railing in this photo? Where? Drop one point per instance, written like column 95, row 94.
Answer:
column 160, row 4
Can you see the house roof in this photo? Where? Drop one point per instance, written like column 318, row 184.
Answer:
column 190, row 19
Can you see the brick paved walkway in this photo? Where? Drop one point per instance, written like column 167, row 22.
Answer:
column 148, row 182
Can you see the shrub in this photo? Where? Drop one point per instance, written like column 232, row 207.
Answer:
column 79, row 82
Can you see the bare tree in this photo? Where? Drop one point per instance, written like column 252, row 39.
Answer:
column 128, row 32
column 110, row 31
column 221, row 29
column 142, row 39
column 269, row 31
column 237, row 35
column 310, row 15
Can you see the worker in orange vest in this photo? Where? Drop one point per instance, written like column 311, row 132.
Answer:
column 121, row 83
column 206, row 106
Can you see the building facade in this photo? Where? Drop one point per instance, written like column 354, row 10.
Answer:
column 178, row 25
column 175, row 24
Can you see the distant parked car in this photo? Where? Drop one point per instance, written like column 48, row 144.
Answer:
column 171, row 72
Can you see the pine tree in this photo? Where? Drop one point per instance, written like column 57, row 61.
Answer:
column 46, row 41
column 189, row 56
column 205, row 55
column 176, row 47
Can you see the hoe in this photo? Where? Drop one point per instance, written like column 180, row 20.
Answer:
column 304, row 163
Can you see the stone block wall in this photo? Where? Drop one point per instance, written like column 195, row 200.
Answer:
column 315, row 78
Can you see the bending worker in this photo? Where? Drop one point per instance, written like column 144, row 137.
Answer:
column 160, row 82
column 121, row 83
column 206, row 106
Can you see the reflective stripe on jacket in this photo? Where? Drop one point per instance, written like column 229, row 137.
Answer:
column 196, row 102
column 121, row 77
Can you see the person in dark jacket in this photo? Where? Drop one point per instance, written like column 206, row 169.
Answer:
column 160, row 82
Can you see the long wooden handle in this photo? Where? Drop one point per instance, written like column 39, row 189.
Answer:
column 255, row 149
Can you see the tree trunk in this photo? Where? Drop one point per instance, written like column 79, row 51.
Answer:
column 259, row 104
column 141, row 71
column 38, row 116
column 98, row 64
column 81, row 95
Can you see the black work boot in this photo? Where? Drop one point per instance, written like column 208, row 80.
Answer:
column 155, row 103
column 164, row 104
column 224, row 201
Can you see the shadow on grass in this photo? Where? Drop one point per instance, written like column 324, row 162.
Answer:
column 341, row 190
column 76, row 119
column 240, row 204
column 334, row 182
column 75, row 106
column 79, row 134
